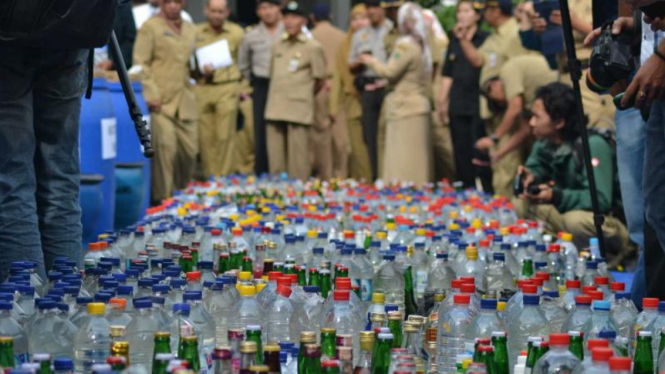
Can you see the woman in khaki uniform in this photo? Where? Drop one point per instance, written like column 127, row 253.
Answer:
column 407, row 154
column 345, row 103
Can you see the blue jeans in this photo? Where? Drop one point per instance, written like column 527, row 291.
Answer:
column 654, row 197
column 40, row 104
column 630, row 158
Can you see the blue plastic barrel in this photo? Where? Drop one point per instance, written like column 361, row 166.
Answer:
column 98, row 148
column 91, row 199
column 129, row 194
column 129, row 147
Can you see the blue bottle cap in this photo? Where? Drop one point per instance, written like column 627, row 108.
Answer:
column 125, row 290
column 84, row 300
column 181, row 308
column 346, row 252
column 552, row 294
column 146, row 282
column 661, row 306
column 6, row 305
column 311, row 289
column 26, row 290
column 601, row 305
column 63, row 364
column 488, row 304
column 593, row 265
column 283, row 357
column 132, row 273
column 442, row 256
column 177, row 283
column 607, row 334
column 391, row 308
column 158, row 300
column 541, row 248
column 540, row 264
column 111, row 285
column 624, row 295
column 161, row 288
column 360, row 251
column 530, row 299
column 389, row 257
column 72, row 290
column 192, row 296
column 207, row 265
column 286, row 346
column 499, row 257
column 505, row 246
column 142, row 303
column 54, row 276
column 322, row 235
column 317, row 251
column 102, row 297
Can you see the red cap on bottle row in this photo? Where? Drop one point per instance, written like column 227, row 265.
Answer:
column 286, row 281
column 620, row 363
column 602, row 281
column 530, row 289
column 587, row 289
column 523, row 282
column 559, row 339
column 273, row 276
column 462, row 299
column 542, row 275
column 193, row 276
column 342, row 283
column 617, row 286
column 597, row 343
column 456, row 284
column 573, row 284
column 583, row 299
column 596, row 295
column 471, row 280
column 341, row 295
column 468, row 288
column 538, row 281
column 601, row 354
column 650, row 302
column 284, row 290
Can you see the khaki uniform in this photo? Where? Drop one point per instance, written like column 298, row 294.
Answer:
column 218, row 97
column 345, row 105
column 502, row 44
column 164, row 58
column 599, row 109
column 328, row 138
column 389, row 41
column 407, row 113
column 245, row 156
column 295, row 68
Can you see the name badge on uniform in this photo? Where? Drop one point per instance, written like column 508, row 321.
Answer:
column 493, row 59
column 294, row 64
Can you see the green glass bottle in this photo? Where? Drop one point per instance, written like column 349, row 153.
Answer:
column 224, row 263
column 306, row 337
column 247, row 356
column 500, row 344
column 7, row 352
column 543, row 347
column 381, row 360
column 643, row 360
column 188, row 350
column 395, row 326
column 161, row 363
column 302, row 276
column 289, row 269
column 247, row 264
column 576, row 344
column 44, row 361
column 325, row 283
column 341, row 272
column 476, row 351
column 330, row 367
column 527, row 268
column 236, row 259
column 486, row 356
column 162, row 343
column 186, row 263
column 312, row 359
column 314, row 277
column 661, row 346
column 279, row 267
column 254, row 335
column 410, row 305
column 328, row 343
column 195, row 256
column 532, row 351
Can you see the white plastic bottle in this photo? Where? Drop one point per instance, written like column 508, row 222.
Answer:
column 93, row 341
column 140, row 334
column 451, row 333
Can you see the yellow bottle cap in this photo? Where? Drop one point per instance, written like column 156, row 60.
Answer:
column 380, row 235
column 96, row 308
column 390, row 226
column 421, row 232
column 501, row 306
column 504, row 231
column 378, row 298
column 312, row 234
column 265, row 210
column 477, row 224
column 102, row 236
column 472, row 253
column 438, row 297
column 245, row 276
column 453, row 226
column 567, row 237
column 247, row 290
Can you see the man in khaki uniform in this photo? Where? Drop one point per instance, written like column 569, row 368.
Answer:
column 163, row 52
column 515, row 90
column 254, row 61
column 245, row 156
column 297, row 72
column 502, row 44
column 218, row 92
column 328, row 137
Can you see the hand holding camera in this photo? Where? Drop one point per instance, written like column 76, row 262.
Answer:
column 525, row 187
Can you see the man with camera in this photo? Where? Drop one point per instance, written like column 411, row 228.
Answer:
column 553, row 187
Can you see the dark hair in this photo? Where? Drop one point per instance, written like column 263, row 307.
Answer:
column 559, row 102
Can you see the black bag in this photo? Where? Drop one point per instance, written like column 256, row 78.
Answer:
column 57, row 24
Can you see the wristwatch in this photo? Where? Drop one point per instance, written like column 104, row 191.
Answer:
column 495, row 138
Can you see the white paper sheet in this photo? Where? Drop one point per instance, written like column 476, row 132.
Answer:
column 216, row 54
column 109, row 138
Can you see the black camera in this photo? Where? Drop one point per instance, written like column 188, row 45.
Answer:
column 611, row 60
column 518, row 187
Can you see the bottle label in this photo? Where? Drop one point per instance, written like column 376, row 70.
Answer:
column 421, row 281
column 21, row 358
column 366, row 289
column 235, row 365
column 430, row 335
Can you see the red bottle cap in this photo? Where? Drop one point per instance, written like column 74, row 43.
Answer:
column 342, row 283
column 530, row 289
column 650, row 302
column 542, row 275
column 273, row 276
column 341, row 295
column 601, row 354
column 583, row 299
column 597, row 343
column 193, row 276
column 538, row 281
column 486, row 348
column 559, row 339
column 329, row 364
column 216, row 232
column 556, row 248
column 602, row 281
column 575, row 284
column 617, row 286
column 293, row 277
column 596, row 295
column 462, row 299
column 533, row 225
column 471, row 280
column 284, row 290
column 484, row 243
column 587, row 289
column 456, row 284
column 285, row 281
column 620, row 363
column 523, row 282
column 468, row 288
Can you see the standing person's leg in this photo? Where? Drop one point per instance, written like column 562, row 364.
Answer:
column 187, row 134
column 359, row 164
column 226, row 121
column 340, row 154
column 297, row 151
column 57, row 109
column 276, row 136
column 630, row 160
column 245, row 152
column 461, row 131
column 654, row 199
column 260, row 98
column 164, row 142
column 208, row 141
column 19, row 227
column 370, row 121
column 321, row 142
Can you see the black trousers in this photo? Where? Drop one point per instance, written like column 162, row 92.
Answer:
column 260, row 88
column 654, row 263
column 465, row 130
column 372, row 102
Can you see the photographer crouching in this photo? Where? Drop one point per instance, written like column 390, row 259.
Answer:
column 553, row 187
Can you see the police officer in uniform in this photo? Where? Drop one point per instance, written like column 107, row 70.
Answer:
column 328, row 137
column 218, row 92
column 297, row 73
column 254, row 61
column 371, row 40
column 245, row 157
column 163, row 51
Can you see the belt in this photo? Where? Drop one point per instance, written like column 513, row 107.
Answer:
column 259, row 80
column 206, row 83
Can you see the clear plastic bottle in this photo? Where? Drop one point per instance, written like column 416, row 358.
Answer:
column 572, row 290
column 623, row 316
column 558, row 359
column 529, row 322
column 205, row 323
column 420, row 269
column 648, row 315
column 343, row 318
column 50, row 333
column 472, row 267
column 439, row 279
column 140, row 334
column 600, row 320
column 93, row 340
column 11, row 328
column 590, row 274
column 657, row 327
column 308, row 317
column 516, row 303
column 570, row 253
column 580, row 315
column 280, row 312
column 365, row 275
column 247, row 311
column 451, row 333
column 389, row 281
column 117, row 315
column 219, row 303
column 551, row 307
column 497, row 279
column 485, row 322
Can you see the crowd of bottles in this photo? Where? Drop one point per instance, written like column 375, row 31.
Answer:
column 243, row 276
